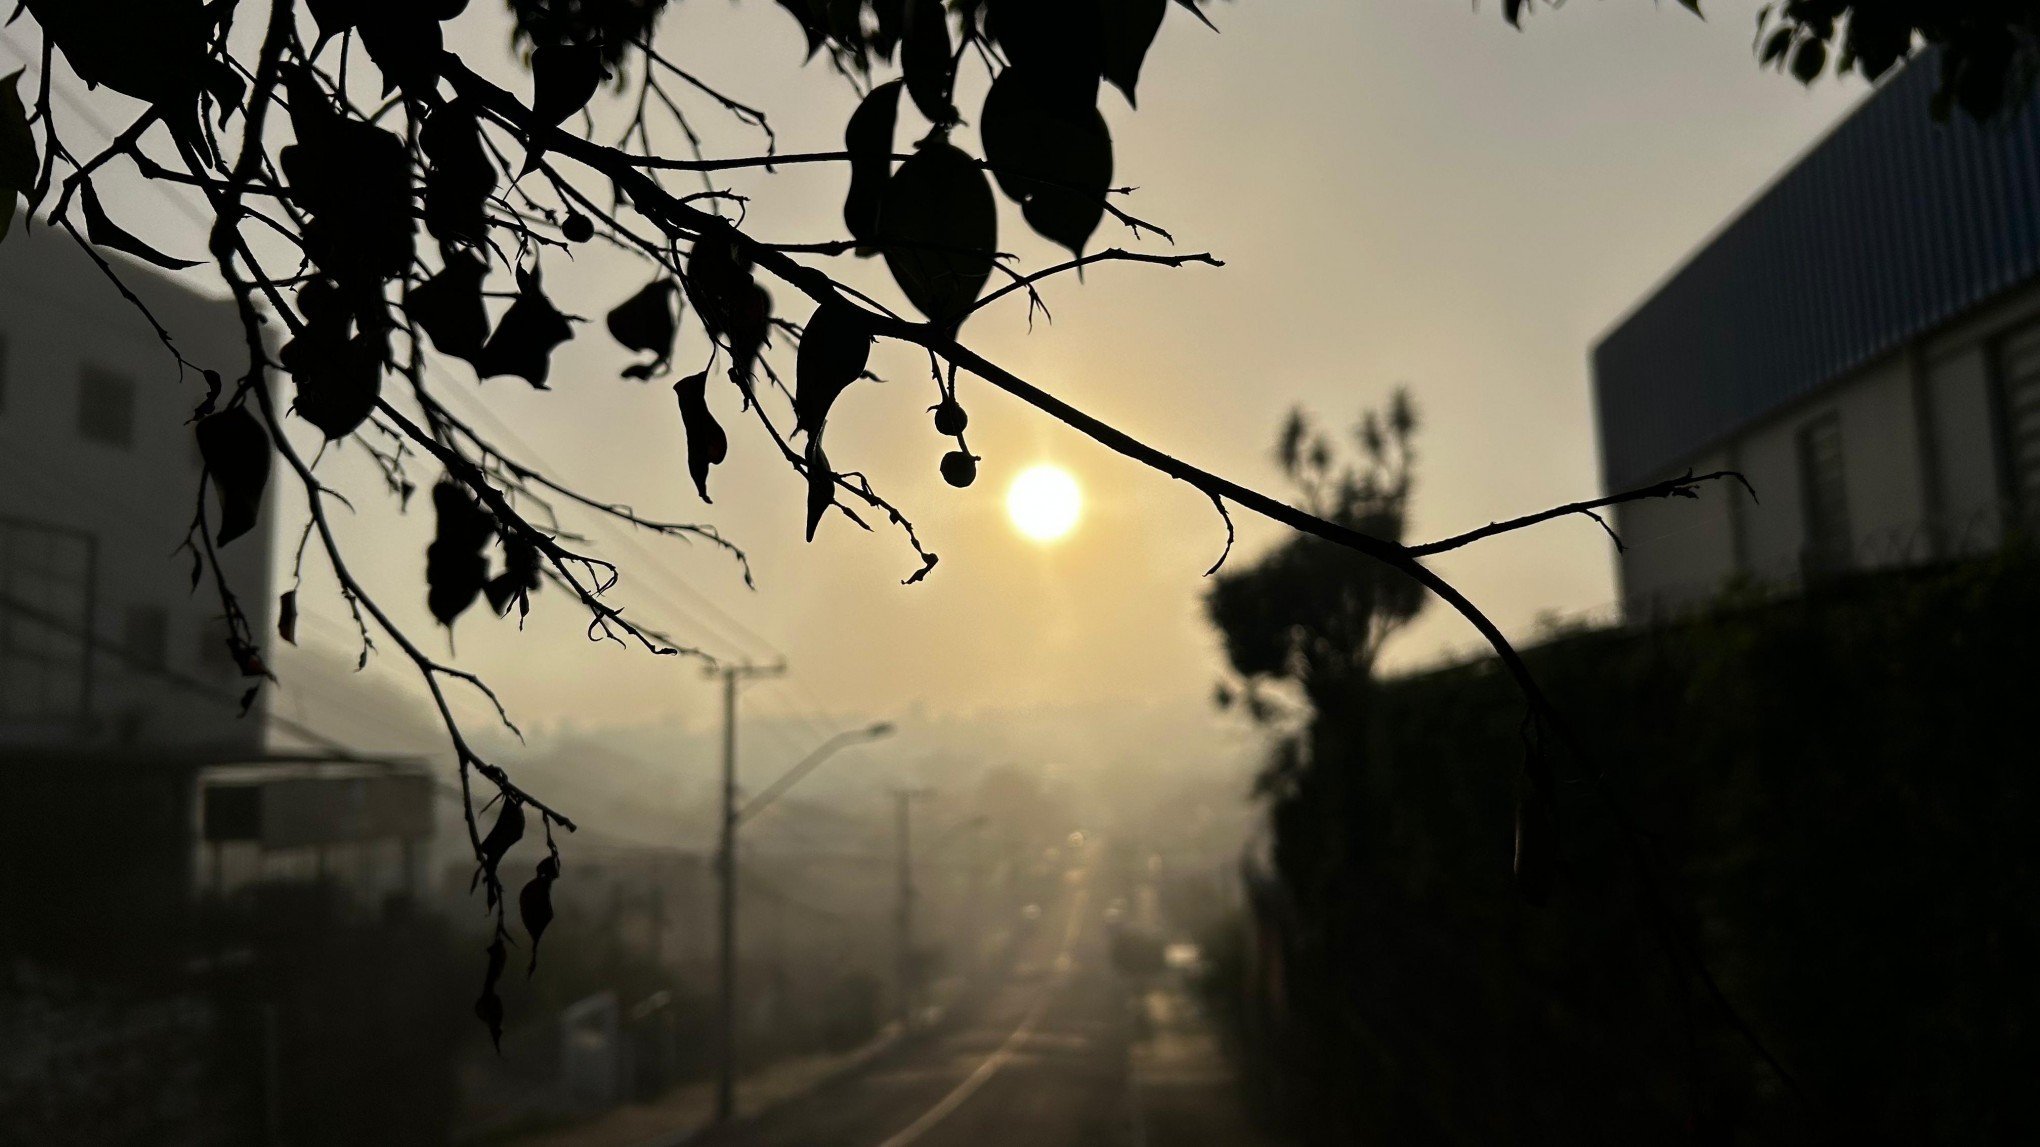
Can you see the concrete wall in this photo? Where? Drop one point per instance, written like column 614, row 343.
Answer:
column 59, row 319
column 1921, row 463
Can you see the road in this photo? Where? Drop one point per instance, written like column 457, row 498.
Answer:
column 1065, row 1050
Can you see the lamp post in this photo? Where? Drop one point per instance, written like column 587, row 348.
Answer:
column 726, row 872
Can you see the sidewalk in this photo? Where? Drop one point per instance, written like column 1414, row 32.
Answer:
column 683, row 1112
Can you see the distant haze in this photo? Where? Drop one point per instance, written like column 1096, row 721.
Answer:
column 1404, row 191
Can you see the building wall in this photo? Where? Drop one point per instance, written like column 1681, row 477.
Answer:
column 70, row 347
column 1922, row 464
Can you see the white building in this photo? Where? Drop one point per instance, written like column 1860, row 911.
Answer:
column 1862, row 341
column 99, row 476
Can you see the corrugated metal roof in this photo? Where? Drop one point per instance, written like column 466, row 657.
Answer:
column 1889, row 227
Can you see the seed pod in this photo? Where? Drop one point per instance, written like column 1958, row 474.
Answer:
column 959, row 468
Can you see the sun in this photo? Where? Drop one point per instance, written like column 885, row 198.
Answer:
column 1044, row 502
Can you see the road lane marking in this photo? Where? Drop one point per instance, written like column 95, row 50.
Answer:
column 963, row 1091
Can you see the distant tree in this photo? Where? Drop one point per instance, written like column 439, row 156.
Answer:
column 1307, row 613
column 323, row 135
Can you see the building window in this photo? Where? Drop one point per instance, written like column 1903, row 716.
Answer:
column 1824, row 497
column 2018, row 371
column 106, row 407
column 146, row 636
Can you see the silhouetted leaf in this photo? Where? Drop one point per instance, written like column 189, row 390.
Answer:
column 460, row 178
column 564, row 77
column 718, row 282
column 940, row 228
column 403, row 38
column 17, row 150
column 749, row 323
column 821, row 484
column 523, row 341
column 449, row 307
column 455, row 571
column 338, row 378
column 518, row 581
column 354, row 179
column 534, row 905
column 707, row 445
column 646, row 323
column 833, row 350
column 925, row 58
column 286, row 616
column 1053, row 156
column 889, row 18
column 1060, row 41
column 105, row 233
column 489, row 1006
column 1130, row 27
column 236, row 453
column 153, row 50
column 814, row 21
column 869, row 140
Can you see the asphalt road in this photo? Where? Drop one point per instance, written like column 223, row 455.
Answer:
column 1065, row 1050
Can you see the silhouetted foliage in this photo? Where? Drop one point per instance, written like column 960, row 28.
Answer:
column 1310, row 613
column 1839, row 783
column 317, row 176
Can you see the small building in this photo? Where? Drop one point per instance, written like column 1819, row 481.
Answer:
column 104, row 640
column 1862, row 342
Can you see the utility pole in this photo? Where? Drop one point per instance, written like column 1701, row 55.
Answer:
column 726, row 874
column 904, row 969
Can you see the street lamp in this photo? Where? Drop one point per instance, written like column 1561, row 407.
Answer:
column 726, row 871
column 792, row 776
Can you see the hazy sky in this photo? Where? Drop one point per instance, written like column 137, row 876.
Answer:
column 1403, row 191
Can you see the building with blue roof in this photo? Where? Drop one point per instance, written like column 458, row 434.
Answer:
column 1862, row 341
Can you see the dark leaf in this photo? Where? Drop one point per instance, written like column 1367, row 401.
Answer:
column 890, row 18
column 833, row 350
column 821, row 484
column 1060, row 41
column 940, row 228
column 17, row 150
column 564, row 77
column 1052, row 156
column 354, row 179
column 489, row 1006
column 707, row 445
column 519, row 579
column 404, row 40
column 1130, row 27
column 646, row 323
column 749, row 324
column 105, row 233
column 449, row 307
column 524, row 339
column 153, row 50
column 1808, row 60
column 869, row 140
column 338, row 379
column 286, row 616
column 814, row 21
column 507, row 831
column 455, row 570
column 927, row 61
column 461, row 176
column 718, row 280
column 236, row 453
column 534, row 905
